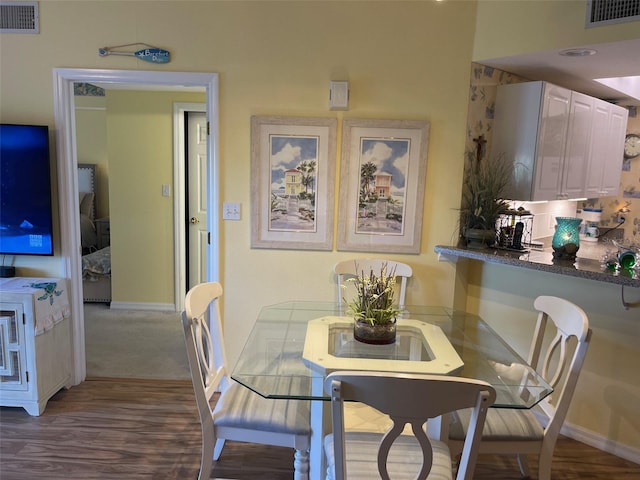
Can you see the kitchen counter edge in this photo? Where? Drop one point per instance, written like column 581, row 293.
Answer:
column 582, row 268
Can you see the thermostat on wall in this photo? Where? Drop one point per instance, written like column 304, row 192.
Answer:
column 338, row 95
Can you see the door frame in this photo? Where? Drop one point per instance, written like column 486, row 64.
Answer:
column 67, row 161
column 180, row 208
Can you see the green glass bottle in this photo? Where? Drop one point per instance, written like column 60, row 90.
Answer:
column 627, row 259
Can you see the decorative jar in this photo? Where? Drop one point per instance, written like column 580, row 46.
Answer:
column 566, row 239
column 373, row 310
column 375, row 334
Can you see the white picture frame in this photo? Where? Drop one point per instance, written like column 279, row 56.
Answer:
column 292, row 182
column 381, row 206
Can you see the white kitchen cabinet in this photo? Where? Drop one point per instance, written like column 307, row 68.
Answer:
column 530, row 129
column 547, row 131
column 35, row 341
column 606, row 150
column 576, row 154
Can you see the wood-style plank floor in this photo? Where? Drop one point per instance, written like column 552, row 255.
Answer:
column 141, row 429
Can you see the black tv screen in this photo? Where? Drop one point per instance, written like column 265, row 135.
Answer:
column 25, row 191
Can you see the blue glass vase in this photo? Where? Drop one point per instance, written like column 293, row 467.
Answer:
column 566, row 239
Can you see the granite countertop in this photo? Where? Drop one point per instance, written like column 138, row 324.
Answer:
column 587, row 264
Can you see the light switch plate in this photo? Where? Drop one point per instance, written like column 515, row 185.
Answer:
column 230, row 211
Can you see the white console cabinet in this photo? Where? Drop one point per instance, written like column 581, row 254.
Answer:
column 35, row 341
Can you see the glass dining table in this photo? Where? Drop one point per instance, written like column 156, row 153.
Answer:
column 294, row 345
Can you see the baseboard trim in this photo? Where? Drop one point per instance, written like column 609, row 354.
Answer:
column 153, row 307
column 601, row 442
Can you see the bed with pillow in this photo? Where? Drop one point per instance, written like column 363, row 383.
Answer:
column 96, row 264
column 96, row 276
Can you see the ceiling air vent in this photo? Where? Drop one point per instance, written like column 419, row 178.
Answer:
column 607, row 12
column 19, row 17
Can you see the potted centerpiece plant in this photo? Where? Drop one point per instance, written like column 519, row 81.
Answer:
column 483, row 188
column 373, row 308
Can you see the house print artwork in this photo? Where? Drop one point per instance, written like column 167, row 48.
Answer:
column 382, row 196
column 294, row 166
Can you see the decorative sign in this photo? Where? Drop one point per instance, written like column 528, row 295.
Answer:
column 150, row 54
column 153, row 55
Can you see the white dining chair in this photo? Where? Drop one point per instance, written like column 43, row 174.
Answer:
column 406, row 399
column 352, row 268
column 238, row 413
column 559, row 361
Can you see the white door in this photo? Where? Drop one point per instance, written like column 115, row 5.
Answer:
column 197, row 198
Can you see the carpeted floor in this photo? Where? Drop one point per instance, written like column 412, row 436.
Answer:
column 134, row 344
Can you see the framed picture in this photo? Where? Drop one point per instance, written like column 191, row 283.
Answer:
column 292, row 182
column 383, row 173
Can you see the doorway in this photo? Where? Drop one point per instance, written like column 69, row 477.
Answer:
column 104, row 123
column 190, row 157
column 64, row 108
column 196, row 194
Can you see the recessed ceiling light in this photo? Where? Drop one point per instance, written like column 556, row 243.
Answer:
column 578, row 52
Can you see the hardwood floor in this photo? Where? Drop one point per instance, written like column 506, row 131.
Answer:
column 143, row 429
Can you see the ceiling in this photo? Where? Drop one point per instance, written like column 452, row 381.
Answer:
column 619, row 59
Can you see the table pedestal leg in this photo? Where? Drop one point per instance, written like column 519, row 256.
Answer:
column 320, row 426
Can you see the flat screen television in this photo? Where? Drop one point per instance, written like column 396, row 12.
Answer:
column 26, row 220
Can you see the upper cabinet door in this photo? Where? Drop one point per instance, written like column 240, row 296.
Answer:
column 612, row 168
column 550, row 149
column 598, row 149
column 576, row 155
column 606, row 150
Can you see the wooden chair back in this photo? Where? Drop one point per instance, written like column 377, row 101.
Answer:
column 555, row 363
column 205, row 352
column 558, row 357
column 407, row 399
column 238, row 413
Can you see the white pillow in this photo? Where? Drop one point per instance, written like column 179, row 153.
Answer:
column 86, row 204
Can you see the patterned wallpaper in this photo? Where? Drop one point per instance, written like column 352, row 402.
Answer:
column 482, row 95
column 629, row 196
column 482, row 99
column 87, row 90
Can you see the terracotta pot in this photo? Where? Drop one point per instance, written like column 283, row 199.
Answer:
column 364, row 332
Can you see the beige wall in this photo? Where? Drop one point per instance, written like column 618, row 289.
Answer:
column 405, row 60
column 607, row 400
